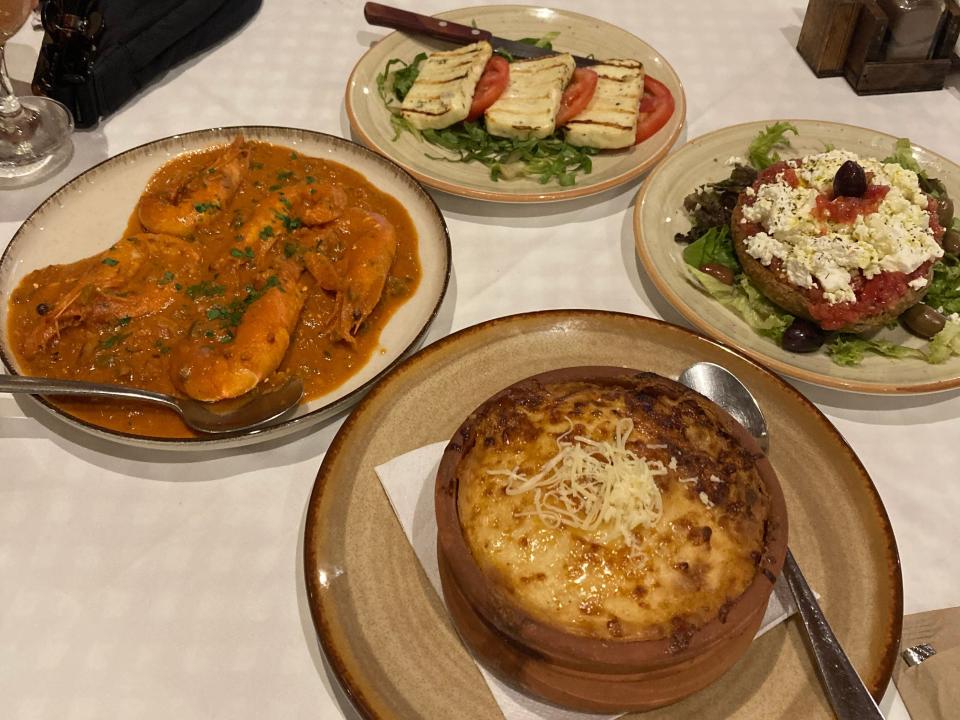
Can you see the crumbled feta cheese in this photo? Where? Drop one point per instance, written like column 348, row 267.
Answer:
column 673, row 463
column 895, row 238
column 705, row 500
column 918, row 283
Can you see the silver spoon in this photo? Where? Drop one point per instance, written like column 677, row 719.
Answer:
column 250, row 411
column 845, row 690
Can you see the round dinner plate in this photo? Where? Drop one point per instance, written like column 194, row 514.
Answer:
column 658, row 216
column 91, row 211
column 387, row 634
column 578, row 34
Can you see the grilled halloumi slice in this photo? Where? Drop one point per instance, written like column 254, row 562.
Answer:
column 528, row 107
column 610, row 118
column 443, row 91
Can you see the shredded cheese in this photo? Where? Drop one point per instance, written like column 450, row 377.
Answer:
column 599, row 487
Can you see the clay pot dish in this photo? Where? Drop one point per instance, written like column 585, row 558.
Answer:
column 585, row 673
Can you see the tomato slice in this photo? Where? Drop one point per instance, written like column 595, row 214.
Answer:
column 490, row 86
column 656, row 107
column 577, row 95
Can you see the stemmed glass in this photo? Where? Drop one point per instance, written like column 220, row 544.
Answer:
column 32, row 128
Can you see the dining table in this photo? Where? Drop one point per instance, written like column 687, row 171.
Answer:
column 150, row 583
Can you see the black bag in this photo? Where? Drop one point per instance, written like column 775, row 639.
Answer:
column 97, row 54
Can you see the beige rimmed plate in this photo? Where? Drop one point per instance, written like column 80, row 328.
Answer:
column 387, row 634
column 90, row 212
column 658, row 216
column 578, row 34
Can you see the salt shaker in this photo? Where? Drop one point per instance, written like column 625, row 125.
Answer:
column 914, row 27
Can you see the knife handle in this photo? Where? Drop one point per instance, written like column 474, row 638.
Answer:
column 391, row 17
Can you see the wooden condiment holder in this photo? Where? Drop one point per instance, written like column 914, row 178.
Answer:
column 848, row 37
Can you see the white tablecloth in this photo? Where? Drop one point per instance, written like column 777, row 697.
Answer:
column 141, row 585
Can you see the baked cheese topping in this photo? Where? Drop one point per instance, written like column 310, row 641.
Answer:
column 613, row 511
column 895, row 238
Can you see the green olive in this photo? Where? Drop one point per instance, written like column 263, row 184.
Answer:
column 945, row 211
column 923, row 320
column 951, row 242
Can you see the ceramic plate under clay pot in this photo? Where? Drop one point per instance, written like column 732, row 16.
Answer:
column 659, row 215
column 388, row 635
column 578, row 34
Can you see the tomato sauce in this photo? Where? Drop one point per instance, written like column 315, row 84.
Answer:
column 136, row 351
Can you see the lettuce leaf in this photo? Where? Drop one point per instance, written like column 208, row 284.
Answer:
column 944, row 289
column 946, row 342
column 903, row 156
column 743, row 298
column 850, row 350
column 762, row 152
column 714, row 247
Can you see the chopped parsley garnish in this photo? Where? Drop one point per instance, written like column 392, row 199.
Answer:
column 311, row 179
column 290, row 249
column 205, row 288
column 266, row 232
column 274, row 187
column 245, row 254
column 166, row 279
column 284, row 174
column 254, row 165
column 288, row 222
column 293, row 156
column 113, row 340
column 110, row 261
column 232, row 314
column 124, row 321
column 206, row 206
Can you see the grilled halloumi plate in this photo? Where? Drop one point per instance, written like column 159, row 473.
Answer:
column 443, row 91
column 609, row 121
column 528, row 107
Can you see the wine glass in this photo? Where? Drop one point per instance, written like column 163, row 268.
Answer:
column 32, row 128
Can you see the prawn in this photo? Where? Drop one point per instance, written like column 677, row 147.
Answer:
column 128, row 280
column 359, row 275
column 310, row 205
column 181, row 209
column 235, row 362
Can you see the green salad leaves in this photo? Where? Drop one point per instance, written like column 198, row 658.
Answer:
column 762, row 152
column 709, row 207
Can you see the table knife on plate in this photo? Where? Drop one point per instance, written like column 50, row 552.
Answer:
column 391, row 17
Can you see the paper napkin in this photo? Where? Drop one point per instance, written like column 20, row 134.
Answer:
column 409, row 482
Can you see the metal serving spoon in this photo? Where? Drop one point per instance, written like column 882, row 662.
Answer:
column 250, row 411
column 844, row 688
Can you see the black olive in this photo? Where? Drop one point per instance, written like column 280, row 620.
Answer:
column 945, row 211
column 43, row 309
column 951, row 242
column 802, row 336
column 923, row 320
column 850, row 180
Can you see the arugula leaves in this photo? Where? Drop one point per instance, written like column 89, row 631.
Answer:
column 546, row 159
column 545, row 42
column 714, row 247
column 398, row 82
column 762, row 152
